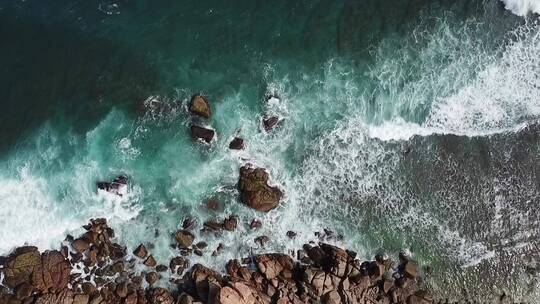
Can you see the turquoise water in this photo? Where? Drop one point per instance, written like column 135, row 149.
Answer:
column 456, row 83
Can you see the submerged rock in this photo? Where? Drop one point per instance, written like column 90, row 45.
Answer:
column 199, row 106
column 202, row 133
column 255, row 190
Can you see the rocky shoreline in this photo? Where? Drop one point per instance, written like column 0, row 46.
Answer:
column 94, row 269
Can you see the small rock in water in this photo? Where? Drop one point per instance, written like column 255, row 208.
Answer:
column 237, row 144
column 270, row 122
column 161, row 268
column 262, row 240
column 230, row 223
column 199, row 106
column 140, row 251
column 117, row 186
column 204, row 134
column 184, row 239
column 212, row 204
column 150, row 261
column 255, row 223
column 291, row 234
column 189, row 223
column 201, row 245
column 212, row 226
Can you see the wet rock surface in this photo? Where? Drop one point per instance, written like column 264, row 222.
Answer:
column 255, row 190
column 201, row 133
column 199, row 106
column 94, row 269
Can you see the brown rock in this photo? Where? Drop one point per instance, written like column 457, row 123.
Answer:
column 199, row 106
column 160, row 296
column 24, row 291
column 410, row 270
column 237, row 144
column 230, row 223
column 213, row 204
column 212, row 226
column 178, row 264
column 140, row 251
column 184, row 238
column 122, row 290
column 150, row 261
column 53, row 273
column 161, row 268
column 81, row 299
column 88, row 288
column 331, row 298
column 80, row 245
column 184, row 298
column 255, row 191
column 291, row 234
column 152, row 277
column 202, row 133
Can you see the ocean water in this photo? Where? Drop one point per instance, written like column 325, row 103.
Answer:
column 407, row 125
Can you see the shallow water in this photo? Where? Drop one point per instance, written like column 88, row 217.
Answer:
column 456, row 84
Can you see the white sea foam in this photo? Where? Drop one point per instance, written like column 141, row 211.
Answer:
column 522, row 7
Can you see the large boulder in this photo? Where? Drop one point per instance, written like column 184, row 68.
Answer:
column 199, row 106
column 255, row 190
column 118, row 186
column 53, row 272
column 184, row 238
column 20, row 265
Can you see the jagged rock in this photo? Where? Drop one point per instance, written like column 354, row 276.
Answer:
column 184, row 238
column 420, row 297
column 237, row 293
column 237, row 144
column 230, row 223
column 255, row 223
column 122, row 290
column 255, row 191
column 410, row 270
column 262, row 240
column 23, row 291
column 212, row 226
column 150, row 261
column 53, row 272
column 291, row 234
column 189, row 224
column 63, row 297
column 20, row 265
column 331, row 298
column 271, row 265
column 140, row 251
column 269, row 122
column 117, row 186
column 161, row 268
column 151, row 277
column 160, row 296
column 184, row 298
column 199, row 106
column 88, row 288
column 178, row 264
column 80, row 245
column 202, row 133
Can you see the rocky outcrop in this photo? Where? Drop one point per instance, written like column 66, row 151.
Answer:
column 255, row 190
column 201, row 133
column 98, row 271
column 199, row 106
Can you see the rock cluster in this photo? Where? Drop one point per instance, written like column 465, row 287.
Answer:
column 92, row 269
